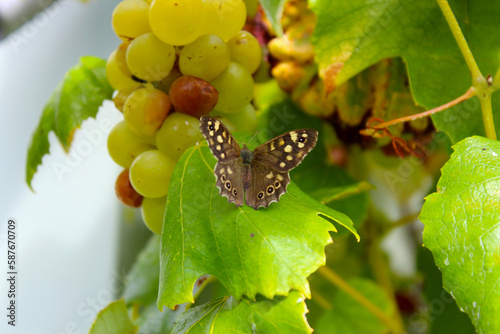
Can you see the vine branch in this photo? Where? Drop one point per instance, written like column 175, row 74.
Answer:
column 479, row 82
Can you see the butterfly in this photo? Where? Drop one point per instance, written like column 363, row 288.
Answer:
column 262, row 174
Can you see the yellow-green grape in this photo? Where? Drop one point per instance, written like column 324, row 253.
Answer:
column 177, row 134
column 224, row 17
column 235, row 87
column 124, row 146
column 152, row 210
column 145, row 110
column 165, row 83
column 117, row 79
column 245, row 50
column 245, row 119
column 205, row 58
column 121, row 58
column 130, row 19
column 177, row 22
column 150, row 173
column 149, row 58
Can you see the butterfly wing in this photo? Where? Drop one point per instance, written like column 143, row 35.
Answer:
column 266, row 185
column 230, row 180
column 287, row 151
column 220, row 141
column 271, row 163
column 229, row 168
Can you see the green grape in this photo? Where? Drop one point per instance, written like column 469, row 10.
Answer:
column 177, row 22
column 205, row 58
column 149, row 58
column 177, row 134
column 150, row 173
column 225, row 17
column 130, row 19
column 193, row 96
column 120, row 98
column 245, row 50
column 152, row 211
column 117, row 79
column 125, row 192
column 235, row 87
column 244, row 120
column 124, row 146
column 121, row 58
column 145, row 110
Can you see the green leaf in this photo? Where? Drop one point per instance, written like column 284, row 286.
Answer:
column 352, row 35
column 76, row 98
column 348, row 316
column 274, row 11
column 143, row 279
column 462, row 229
column 113, row 319
column 152, row 321
column 267, row 251
column 227, row 315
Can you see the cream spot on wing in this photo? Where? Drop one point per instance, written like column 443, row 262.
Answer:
column 293, row 134
column 270, row 175
column 222, row 155
column 300, row 145
column 279, row 177
column 229, row 140
column 219, row 139
column 281, row 143
column 211, row 141
column 289, row 158
column 211, row 133
column 218, row 148
column 229, row 170
column 222, row 170
column 282, row 164
column 209, row 122
column 304, row 135
column 224, row 134
column 271, row 146
column 217, row 124
column 288, row 148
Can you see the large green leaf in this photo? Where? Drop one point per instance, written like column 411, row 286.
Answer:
column 113, row 319
column 350, row 317
column 282, row 315
column 274, row 11
column 462, row 229
column 142, row 280
column 76, row 98
column 352, row 35
column 267, row 251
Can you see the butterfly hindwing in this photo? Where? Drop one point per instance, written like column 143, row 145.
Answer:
column 285, row 152
column 222, row 144
column 266, row 186
column 230, row 180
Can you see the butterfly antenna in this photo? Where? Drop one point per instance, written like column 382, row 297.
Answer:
column 253, row 137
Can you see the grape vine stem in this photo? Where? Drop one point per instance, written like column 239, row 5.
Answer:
column 338, row 281
column 470, row 93
column 479, row 82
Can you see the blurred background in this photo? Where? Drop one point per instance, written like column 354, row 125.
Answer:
column 67, row 242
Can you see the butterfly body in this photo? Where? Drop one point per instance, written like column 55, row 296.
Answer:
column 262, row 174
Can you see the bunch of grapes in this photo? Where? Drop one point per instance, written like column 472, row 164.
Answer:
column 179, row 60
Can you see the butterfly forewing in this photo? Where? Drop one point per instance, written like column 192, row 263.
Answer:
column 285, row 152
column 222, row 144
